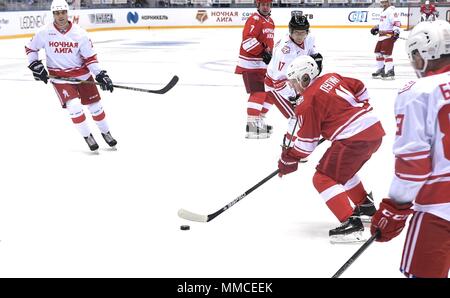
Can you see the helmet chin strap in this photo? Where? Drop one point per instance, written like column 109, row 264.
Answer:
column 420, row 72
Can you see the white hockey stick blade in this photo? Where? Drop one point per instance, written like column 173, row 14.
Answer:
column 183, row 213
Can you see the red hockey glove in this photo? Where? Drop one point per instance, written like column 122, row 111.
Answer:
column 287, row 163
column 390, row 219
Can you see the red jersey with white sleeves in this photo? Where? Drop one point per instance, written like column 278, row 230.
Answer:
column 431, row 9
column 337, row 108
column 285, row 51
column 389, row 22
column 69, row 54
column 257, row 35
column 422, row 145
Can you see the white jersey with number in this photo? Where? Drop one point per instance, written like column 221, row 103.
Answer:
column 389, row 22
column 422, row 145
column 69, row 54
column 284, row 52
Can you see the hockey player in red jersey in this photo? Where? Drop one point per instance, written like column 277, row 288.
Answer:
column 336, row 108
column 388, row 31
column 428, row 12
column 254, row 55
column 70, row 54
column 422, row 158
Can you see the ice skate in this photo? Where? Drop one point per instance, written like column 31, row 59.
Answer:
column 257, row 129
column 378, row 74
column 109, row 139
column 367, row 209
column 93, row 146
column 389, row 75
column 350, row 231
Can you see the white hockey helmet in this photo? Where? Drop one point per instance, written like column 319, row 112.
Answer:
column 427, row 2
column 430, row 39
column 59, row 5
column 301, row 66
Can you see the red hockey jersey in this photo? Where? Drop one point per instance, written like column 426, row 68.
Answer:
column 431, row 9
column 337, row 108
column 257, row 35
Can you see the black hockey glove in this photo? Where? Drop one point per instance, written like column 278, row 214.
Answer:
column 105, row 81
column 266, row 56
column 39, row 71
column 318, row 58
column 374, row 30
column 294, row 99
column 396, row 34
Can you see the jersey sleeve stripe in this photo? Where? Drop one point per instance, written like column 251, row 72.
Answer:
column 413, row 167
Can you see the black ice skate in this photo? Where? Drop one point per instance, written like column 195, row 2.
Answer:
column 390, row 75
column 109, row 139
column 349, row 231
column 91, row 142
column 257, row 129
column 367, row 209
column 378, row 74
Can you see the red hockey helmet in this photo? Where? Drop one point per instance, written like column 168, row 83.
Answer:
column 263, row 1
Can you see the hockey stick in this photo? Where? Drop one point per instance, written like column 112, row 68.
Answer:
column 399, row 37
column 183, row 213
column 356, row 254
column 164, row 90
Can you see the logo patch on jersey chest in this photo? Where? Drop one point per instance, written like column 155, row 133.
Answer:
column 286, row 50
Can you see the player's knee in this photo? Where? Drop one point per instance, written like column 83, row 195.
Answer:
column 322, row 182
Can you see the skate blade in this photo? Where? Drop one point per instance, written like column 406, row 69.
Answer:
column 356, row 237
column 389, row 79
column 378, row 77
column 365, row 218
column 259, row 136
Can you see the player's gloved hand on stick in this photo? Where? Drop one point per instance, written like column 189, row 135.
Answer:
column 374, row 30
column 287, row 163
column 266, row 56
column 39, row 71
column 396, row 34
column 390, row 219
column 105, row 81
column 319, row 59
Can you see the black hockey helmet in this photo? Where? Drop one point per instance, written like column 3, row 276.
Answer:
column 298, row 22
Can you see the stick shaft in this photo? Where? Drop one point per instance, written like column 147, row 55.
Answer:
column 229, row 205
column 169, row 86
column 356, row 254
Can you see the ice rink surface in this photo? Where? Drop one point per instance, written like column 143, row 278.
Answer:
column 65, row 212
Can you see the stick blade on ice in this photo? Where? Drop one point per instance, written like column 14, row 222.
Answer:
column 183, row 213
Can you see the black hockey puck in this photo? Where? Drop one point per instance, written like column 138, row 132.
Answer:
column 185, row 227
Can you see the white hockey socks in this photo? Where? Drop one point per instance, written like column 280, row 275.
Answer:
column 99, row 116
column 78, row 117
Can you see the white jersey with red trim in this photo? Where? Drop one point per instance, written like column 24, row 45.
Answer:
column 389, row 22
column 422, row 145
column 284, row 52
column 337, row 108
column 69, row 54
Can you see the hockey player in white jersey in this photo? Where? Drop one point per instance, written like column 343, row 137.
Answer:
column 70, row 54
column 298, row 42
column 421, row 179
column 388, row 31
